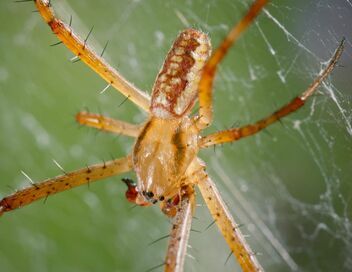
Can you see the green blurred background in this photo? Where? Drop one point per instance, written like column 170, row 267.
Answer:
column 290, row 187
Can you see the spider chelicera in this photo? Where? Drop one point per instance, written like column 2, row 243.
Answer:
column 164, row 156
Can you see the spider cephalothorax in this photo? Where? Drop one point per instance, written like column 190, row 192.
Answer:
column 162, row 154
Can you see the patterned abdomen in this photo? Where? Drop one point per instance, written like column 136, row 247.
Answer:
column 175, row 88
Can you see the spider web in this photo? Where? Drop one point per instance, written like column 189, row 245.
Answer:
column 289, row 186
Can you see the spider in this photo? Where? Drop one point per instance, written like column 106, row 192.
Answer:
column 164, row 155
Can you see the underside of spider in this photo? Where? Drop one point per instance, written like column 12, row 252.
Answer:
column 164, row 156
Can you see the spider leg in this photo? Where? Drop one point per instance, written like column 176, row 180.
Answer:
column 209, row 70
column 235, row 134
column 104, row 123
column 180, row 230
column 80, row 48
column 228, row 226
column 64, row 182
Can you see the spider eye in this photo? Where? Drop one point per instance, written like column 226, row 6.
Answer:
column 149, row 197
column 150, row 194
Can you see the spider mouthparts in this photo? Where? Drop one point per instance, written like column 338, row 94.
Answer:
column 129, row 182
column 131, row 193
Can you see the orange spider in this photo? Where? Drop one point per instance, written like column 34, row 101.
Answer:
column 164, row 156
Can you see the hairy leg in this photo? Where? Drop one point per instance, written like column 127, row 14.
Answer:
column 235, row 134
column 181, row 226
column 209, row 70
column 227, row 225
column 80, row 48
column 64, row 182
column 104, row 123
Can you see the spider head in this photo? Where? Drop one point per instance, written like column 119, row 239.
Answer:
column 164, row 150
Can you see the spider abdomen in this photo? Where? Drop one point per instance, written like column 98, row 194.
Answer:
column 175, row 88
